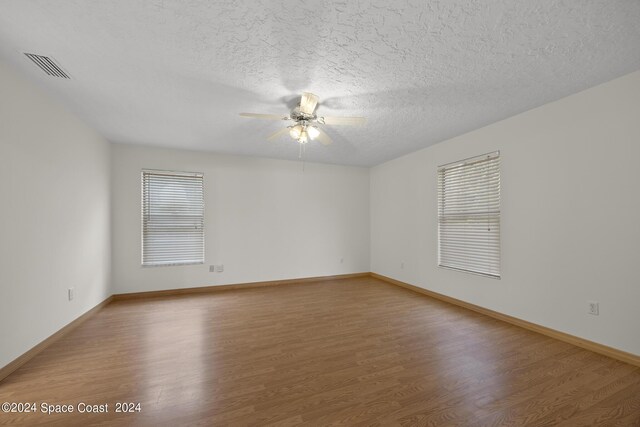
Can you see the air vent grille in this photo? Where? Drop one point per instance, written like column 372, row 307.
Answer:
column 47, row 65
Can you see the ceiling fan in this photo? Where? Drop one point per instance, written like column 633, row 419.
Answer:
column 306, row 123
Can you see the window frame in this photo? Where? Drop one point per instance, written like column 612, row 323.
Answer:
column 497, row 216
column 160, row 172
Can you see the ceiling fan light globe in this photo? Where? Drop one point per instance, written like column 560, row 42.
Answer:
column 304, row 137
column 295, row 132
column 313, row 132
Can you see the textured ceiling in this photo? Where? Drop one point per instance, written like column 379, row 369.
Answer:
column 176, row 73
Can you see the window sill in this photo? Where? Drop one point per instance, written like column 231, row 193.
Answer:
column 475, row 273
column 174, row 264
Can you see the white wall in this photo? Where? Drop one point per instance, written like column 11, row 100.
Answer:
column 54, row 216
column 264, row 219
column 570, row 215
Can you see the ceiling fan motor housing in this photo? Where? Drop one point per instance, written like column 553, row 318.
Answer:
column 298, row 115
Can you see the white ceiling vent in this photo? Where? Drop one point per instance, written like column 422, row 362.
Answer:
column 48, row 65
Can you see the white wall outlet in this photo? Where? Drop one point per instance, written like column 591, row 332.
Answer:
column 71, row 293
column 594, row 308
column 212, row 269
column 341, row 260
column 220, row 268
column 402, row 265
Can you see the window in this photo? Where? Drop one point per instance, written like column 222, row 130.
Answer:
column 469, row 215
column 172, row 218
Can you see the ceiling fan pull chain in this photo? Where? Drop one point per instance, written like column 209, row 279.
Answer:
column 302, row 146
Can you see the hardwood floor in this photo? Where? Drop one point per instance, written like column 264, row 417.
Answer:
column 343, row 352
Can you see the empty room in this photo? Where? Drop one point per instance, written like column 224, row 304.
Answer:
column 282, row 213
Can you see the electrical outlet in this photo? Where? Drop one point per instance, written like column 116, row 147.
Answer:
column 71, row 293
column 594, row 308
column 212, row 269
column 220, row 268
column 341, row 260
column 402, row 265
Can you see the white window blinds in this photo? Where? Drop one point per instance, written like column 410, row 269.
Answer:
column 172, row 218
column 469, row 215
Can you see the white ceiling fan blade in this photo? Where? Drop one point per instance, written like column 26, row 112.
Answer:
column 277, row 134
column 323, row 137
column 264, row 116
column 345, row 121
column 308, row 102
